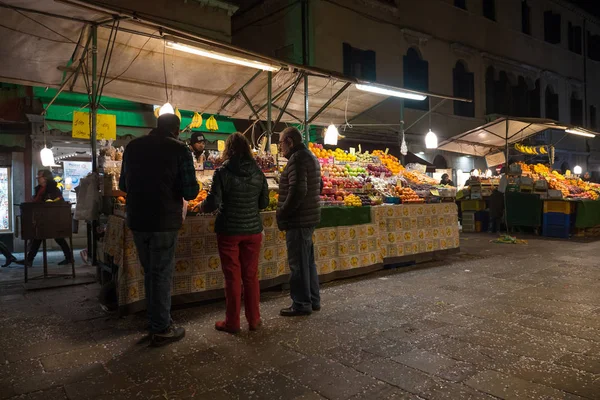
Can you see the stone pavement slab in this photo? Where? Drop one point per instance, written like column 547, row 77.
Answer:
column 493, row 322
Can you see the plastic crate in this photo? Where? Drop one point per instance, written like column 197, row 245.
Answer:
column 557, row 219
column 556, row 231
column 468, row 216
column 472, row 205
column 471, row 227
column 558, row 206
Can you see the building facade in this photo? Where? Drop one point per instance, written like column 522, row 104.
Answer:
column 523, row 58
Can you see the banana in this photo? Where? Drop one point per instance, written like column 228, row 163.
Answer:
column 196, row 121
column 543, row 150
column 211, row 124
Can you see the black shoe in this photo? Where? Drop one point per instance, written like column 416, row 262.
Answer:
column 170, row 335
column 9, row 261
column 65, row 262
column 292, row 312
column 316, row 308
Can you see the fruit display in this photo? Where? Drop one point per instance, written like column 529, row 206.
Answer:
column 364, row 158
column 377, row 170
column 391, row 162
column 194, row 204
column 333, row 170
column 350, row 183
column 570, row 187
column 355, row 171
column 265, row 161
column 418, row 178
column 407, row 195
column 273, row 200
column 342, row 156
column 352, row 200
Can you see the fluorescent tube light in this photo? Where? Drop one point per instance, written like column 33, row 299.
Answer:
column 390, row 92
column 222, row 57
column 580, row 133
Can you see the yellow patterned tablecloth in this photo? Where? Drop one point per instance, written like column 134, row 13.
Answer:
column 396, row 232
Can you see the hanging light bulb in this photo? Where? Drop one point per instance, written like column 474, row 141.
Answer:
column 331, row 135
column 47, row 157
column 167, row 108
column 431, row 140
column 403, row 146
column 577, row 170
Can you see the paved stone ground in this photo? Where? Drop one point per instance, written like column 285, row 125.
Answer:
column 14, row 272
column 496, row 321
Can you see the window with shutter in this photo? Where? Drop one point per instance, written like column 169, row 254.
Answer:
column 416, row 77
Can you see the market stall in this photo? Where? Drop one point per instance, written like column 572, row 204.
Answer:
column 392, row 234
column 375, row 211
column 537, row 197
column 358, row 233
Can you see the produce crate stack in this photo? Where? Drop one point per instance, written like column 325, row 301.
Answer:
column 557, row 219
column 474, row 216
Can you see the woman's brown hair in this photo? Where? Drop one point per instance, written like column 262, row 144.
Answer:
column 236, row 145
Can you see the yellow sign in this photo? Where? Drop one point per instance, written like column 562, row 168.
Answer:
column 106, row 126
column 274, row 149
column 435, row 192
column 221, row 145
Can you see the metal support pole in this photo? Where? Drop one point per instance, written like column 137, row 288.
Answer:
column 93, row 129
column 249, row 102
column 287, row 100
column 233, row 97
column 306, row 127
column 269, row 109
column 93, row 105
column 331, row 100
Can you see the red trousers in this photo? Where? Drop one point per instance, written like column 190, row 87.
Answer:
column 239, row 261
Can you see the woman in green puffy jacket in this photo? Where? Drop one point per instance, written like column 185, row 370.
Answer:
column 239, row 191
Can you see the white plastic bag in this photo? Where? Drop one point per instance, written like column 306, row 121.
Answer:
column 89, row 200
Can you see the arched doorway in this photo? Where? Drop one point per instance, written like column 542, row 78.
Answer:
column 440, row 162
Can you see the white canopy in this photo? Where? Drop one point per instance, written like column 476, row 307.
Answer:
column 43, row 40
column 494, row 135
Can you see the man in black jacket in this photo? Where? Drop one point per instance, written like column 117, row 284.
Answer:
column 157, row 174
column 299, row 213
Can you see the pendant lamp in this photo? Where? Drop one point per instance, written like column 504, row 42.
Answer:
column 331, row 135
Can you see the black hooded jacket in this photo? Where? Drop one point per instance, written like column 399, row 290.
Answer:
column 239, row 191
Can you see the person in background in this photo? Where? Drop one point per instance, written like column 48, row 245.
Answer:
column 298, row 214
column 497, row 203
column 472, row 178
column 7, row 254
column 586, row 177
column 158, row 174
column 239, row 191
column 446, row 180
column 197, row 145
column 47, row 190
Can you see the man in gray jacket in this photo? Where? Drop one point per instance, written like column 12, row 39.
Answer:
column 299, row 213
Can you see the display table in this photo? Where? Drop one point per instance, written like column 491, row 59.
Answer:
column 524, row 209
column 392, row 234
column 344, row 216
column 588, row 214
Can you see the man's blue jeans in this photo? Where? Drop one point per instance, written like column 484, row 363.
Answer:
column 304, row 279
column 156, row 251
